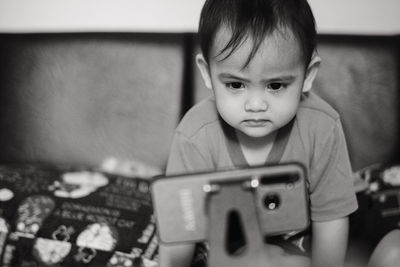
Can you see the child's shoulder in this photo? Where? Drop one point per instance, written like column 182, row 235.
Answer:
column 199, row 116
column 313, row 107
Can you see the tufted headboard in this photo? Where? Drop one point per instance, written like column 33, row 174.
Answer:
column 77, row 98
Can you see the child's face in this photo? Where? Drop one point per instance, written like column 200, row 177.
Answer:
column 264, row 96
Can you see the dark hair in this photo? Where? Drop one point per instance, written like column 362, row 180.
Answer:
column 256, row 19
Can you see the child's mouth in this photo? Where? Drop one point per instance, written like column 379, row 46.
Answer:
column 255, row 123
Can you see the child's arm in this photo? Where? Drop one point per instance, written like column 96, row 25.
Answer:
column 329, row 242
column 175, row 255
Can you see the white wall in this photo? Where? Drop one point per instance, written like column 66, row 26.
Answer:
column 380, row 17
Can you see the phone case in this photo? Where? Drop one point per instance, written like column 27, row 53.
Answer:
column 280, row 197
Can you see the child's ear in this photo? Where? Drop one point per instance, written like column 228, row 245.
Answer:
column 311, row 72
column 204, row 70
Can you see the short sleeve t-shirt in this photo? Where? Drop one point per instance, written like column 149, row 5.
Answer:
column 315, row 138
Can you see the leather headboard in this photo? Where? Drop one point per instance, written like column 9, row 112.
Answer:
column 79, row 98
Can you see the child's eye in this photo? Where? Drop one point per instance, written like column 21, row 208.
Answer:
column 235, row 85
column 276, row 86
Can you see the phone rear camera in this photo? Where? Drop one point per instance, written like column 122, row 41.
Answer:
column 272, row 201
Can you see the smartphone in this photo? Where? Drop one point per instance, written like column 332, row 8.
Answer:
column 280, row 197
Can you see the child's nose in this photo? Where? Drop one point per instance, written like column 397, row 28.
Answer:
column 256, row 103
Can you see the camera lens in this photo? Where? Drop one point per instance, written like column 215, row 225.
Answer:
column 272, row 201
